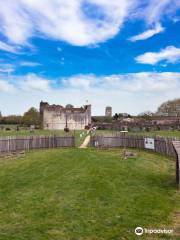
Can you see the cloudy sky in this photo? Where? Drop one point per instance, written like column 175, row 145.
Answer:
column 122, row 53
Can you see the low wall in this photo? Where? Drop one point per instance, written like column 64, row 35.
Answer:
column 11, row 144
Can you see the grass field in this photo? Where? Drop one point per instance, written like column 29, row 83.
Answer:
column 35, row 132
column 73, row 194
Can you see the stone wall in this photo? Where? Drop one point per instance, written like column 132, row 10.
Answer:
column 58, row 117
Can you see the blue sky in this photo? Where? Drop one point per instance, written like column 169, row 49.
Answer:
column 122, row 53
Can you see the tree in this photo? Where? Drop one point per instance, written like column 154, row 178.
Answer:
column 121, row 115
column 116, row 116
column 169, row 108
column 11, row 119
column 69, row 106
column 31, row 117
column 146, row 115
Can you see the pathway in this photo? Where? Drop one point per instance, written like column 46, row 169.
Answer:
column 86, row 142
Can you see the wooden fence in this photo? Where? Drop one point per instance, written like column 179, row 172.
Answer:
column 176, row 145
column 13, row 144
column 161, row 145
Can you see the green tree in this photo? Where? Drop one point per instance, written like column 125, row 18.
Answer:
column 11, row 119
column 116, row 116
column 147, row 115
column 169, row 108
column 31, row 117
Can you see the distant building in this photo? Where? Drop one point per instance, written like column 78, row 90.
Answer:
column 59, row 117
column 108, row 111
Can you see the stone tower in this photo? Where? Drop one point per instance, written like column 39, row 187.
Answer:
column 42, row 107
column 108, row 111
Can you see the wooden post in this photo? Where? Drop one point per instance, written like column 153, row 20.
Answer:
column 176, row 145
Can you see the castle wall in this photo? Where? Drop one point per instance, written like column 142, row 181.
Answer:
column 56, row 117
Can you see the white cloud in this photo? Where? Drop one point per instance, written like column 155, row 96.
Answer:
column 16, row 24
column 27, row 83
column 147, row 34
column 5, row 86
column 6, row 68
column 9, row 68
column 170, row 54
column 63, row 20
column 32, row 82
column 131, row 82
column 77, row 21
column 131, row 92
column 146, row 82
column 8, row 48
column 153, row 10
column 80, row 81
column 29, row 64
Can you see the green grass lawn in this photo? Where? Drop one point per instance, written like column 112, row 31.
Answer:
column 85, row 194
column 24, row 132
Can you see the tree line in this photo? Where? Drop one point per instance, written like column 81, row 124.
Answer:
column 31, row 117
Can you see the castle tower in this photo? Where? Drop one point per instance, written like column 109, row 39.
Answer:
column 108, row 111
column 41, row 110
column 89, row 113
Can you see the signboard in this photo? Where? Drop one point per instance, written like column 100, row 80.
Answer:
column 149, row 143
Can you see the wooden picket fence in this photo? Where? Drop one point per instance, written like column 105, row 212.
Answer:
column 161, row 145
column 13, row 144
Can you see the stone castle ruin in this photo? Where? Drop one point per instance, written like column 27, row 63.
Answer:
column 59, row 117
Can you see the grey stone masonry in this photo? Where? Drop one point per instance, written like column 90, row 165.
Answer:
column 59, row 117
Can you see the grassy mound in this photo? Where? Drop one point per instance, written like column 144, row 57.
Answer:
column 72, row 194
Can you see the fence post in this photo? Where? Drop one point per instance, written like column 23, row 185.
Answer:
column 176, row 145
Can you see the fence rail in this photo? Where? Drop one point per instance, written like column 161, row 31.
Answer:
column 161, row 145
column 12, row 144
